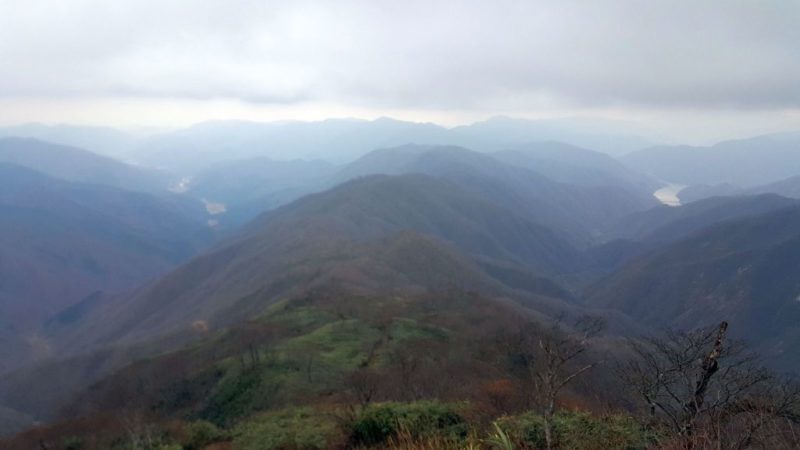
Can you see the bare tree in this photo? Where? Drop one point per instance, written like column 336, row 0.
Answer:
column 363, row 384
column 551, row 359
column 142, row 434
column 699, row 379
column 766, row 417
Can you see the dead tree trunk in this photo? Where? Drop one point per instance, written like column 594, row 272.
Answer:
column 710, row 366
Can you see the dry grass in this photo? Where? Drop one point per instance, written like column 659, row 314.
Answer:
column 405, row 440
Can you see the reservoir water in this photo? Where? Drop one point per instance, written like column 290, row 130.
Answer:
column 668, row 195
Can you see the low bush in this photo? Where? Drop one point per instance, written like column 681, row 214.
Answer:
column 293, row 429
column 379, row 423
column 578, row 431
column 201, row 433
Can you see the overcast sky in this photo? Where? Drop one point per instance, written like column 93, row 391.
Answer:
column 696, row 70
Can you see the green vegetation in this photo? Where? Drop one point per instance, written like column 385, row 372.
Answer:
column 447, row 372
column 319, row 349
column 201, row 434
column 380, row 423
column 578, row 431
column 428, row 424
column 239, row 393
column 339, row 344
column 312, row 363
column 296, row 316
column 297, row 429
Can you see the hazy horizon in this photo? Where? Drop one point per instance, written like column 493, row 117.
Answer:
column 652, row 134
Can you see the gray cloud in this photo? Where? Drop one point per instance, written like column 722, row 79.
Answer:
column 472, row 55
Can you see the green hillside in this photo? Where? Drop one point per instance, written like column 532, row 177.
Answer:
column 334, row 370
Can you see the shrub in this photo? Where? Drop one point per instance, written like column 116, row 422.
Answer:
column 238, row 394
column 202, row 433
column 379, row 423
column 294, row 429
column 73, row 443
column 579, row 431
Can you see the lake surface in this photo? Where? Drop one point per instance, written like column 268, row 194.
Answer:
column 668, row 195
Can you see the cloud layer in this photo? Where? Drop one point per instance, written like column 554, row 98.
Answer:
column 419, row 54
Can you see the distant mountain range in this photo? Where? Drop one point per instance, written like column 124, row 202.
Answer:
column 75, row 164
column 575, row 210
column 790, row 187
column 101, row 140
column 575, row 165
column 343, row 140
column 190, row 150
column 666, row 224
column 552, row 181
column 745, row 163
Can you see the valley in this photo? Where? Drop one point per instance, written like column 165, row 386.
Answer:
column 286, row 299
